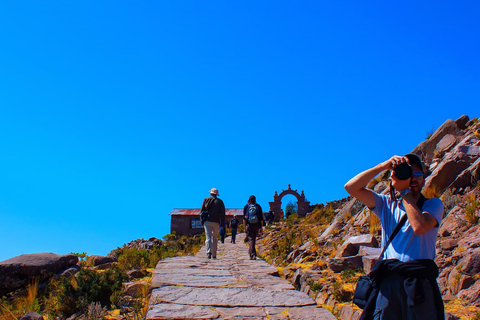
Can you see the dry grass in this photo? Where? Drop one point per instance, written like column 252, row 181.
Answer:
column 461, row 309
column 471, row 210
column 432, row 192
column 375, row 225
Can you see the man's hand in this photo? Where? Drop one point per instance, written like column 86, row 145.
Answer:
column 410, row 198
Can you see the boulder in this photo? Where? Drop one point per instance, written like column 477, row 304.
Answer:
column 465, row 178
column 462, row 122
column 348, row 208
column 136, row 274
column 446, row 173
column 347, row 312
column 368, row 262
column 449, row 244
column 369, row 251
column 340, row 264
column 70, row 271
column 367, row 240
column 426, row 149
column 471, row 262
column 352, row 245
column 31, row 316
column 445, row 144
column 347, row 250
column 18, row 271
column 470, row 238
column 138, row 244
column 471, row 296
column 134, row 289
column 306, row 246
column 454, row 222
column 96, row 260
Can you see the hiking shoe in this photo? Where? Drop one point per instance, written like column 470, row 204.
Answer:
column 215, row 257
column 209, row 255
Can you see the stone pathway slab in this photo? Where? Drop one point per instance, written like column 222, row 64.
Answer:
column 230, row 287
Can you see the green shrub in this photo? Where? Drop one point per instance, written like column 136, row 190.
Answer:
column 449, row 200
column 285, row 245
column 350, row 275
column 293, row 219
column 321, row 216
column 315, row 286
column 131, row 258
column 471, row 210
column 70, row 295
column 430, row 133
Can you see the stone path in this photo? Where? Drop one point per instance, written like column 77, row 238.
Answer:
column 230, row 287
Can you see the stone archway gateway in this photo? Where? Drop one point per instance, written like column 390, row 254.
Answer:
column 303, row 206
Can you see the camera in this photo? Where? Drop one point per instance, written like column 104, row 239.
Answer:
column 403, row 171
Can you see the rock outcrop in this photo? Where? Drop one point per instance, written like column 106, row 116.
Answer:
column 139, row 244
column 452, row 159
column 17, row 272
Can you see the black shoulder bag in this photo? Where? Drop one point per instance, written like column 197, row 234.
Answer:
column 204, row 213
column 365, row 284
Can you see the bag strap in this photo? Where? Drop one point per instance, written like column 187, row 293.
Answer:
column 394, row 233
column 400, row 224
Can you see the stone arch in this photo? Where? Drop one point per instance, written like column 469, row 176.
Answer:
column 303, row 206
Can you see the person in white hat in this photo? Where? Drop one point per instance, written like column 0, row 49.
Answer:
column 214, row 222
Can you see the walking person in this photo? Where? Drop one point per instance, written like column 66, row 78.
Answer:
column 233, row 228
column 253, row 222
column 214, row 222
column 406, row 280
column 222, row 234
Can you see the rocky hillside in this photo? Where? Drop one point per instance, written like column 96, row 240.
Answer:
column 324, row 253
column 79, row 287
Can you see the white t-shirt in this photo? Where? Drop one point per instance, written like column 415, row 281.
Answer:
column 407, row 245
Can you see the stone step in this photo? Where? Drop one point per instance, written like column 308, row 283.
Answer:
column 230, row 287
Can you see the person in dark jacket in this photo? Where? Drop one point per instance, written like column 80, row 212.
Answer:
column 223, row 234
column 215, row 221
column 253, row 222
column 233, row 228
column 406, row 286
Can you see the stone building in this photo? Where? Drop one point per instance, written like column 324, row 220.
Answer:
column 187, row 221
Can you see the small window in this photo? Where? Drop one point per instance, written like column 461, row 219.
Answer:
column 195, row 223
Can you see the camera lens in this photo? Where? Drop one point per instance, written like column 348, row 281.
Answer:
column 403, row 171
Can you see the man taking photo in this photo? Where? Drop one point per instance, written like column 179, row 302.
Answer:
column 406, row 279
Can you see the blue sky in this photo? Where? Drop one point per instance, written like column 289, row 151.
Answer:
column 114, row 113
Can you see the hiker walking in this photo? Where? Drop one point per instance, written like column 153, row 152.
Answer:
column 214, row 222
column 406, row 286
column 270, row 217
column 222, row 234
column 233, row 228
column 253, row 221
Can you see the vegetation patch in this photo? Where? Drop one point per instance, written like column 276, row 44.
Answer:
column 98, row 294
